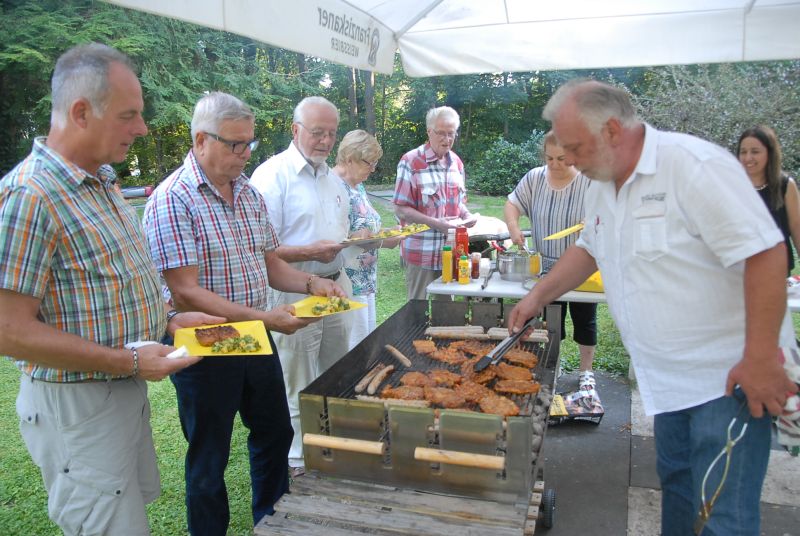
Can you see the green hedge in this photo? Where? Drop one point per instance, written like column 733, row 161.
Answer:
column 503, row 164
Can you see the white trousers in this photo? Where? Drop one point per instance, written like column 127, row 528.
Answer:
column 307, row 353
column 363, row 319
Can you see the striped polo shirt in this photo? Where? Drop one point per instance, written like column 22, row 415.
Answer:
column 550, row 211
column 189, row 223
column 69, row 239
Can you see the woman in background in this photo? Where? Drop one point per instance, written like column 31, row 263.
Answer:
column 760, row 153
column 356, row 158
column 552, row 198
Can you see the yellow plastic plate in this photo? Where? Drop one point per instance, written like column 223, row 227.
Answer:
column 302, row 309
column 185, row 337
column 566, row 232
column 593, row 284
column 372, row 240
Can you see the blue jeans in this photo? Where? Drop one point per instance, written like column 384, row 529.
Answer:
column 687, row 441
column 209, row 395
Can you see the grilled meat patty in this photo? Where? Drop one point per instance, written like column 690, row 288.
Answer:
column 510, row 372
column 444, row 378
column 484, row 376
column 499, row 405
column 446, row 398
column 472, row 392
column 416, row 379
column 424, row 346
column 208, row 336
column 516, row 387
column 521, row 357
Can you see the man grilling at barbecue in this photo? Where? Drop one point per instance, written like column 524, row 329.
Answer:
column 210, row 235
column 699, row 298
column 309, row 209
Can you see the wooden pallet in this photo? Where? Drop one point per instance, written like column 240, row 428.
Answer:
column 325, row 506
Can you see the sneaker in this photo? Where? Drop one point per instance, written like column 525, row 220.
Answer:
column 586, row 380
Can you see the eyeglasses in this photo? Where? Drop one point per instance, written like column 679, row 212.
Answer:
column 372, row 165
column 320, row 134
column 443, row 134
column 237, row 147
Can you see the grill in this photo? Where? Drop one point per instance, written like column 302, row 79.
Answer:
column 457, row 452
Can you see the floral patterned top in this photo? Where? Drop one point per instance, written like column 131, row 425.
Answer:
column 363, row 268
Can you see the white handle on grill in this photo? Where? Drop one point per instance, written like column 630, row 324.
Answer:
column 469, row 459
column 344, row 443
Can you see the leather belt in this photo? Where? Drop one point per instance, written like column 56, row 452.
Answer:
column 84, row 380
column 333, row 277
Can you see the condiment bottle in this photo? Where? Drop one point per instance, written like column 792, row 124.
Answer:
column 463, row 270
column 447, row 264
column 535, row 264
column 462, row 245
column 476, row 265
column 451, row 241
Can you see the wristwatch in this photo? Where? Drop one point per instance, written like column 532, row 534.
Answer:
column 172, row 313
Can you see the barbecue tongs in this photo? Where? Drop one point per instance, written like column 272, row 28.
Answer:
column 493, row 357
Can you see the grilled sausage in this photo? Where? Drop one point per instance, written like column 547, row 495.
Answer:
column 378, row 379
column 361, row 385
column 398, row 355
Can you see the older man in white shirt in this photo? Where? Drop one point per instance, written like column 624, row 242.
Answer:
column 308, row 209
column 694, row 273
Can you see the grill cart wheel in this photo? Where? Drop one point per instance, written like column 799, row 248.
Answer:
column 548, row 507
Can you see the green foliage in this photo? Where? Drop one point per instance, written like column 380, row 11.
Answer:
column 503, row 164
column 718, row 102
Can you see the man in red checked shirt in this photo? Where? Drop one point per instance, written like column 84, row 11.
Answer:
column 430, row 189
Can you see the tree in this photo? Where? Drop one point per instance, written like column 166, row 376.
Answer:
column 718, row 102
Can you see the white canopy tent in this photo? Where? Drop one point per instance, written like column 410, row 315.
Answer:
column 437, row 37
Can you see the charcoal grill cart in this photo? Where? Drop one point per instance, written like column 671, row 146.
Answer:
column 380, row 468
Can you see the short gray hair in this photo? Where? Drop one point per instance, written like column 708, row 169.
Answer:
column 82, row 73
column 445, row 112
column 214, row 108
column 596, row 102
column 300, row 110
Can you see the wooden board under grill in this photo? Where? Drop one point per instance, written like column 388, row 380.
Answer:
column 319, row 506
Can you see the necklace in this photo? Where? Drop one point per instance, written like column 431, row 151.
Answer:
column 759, row 188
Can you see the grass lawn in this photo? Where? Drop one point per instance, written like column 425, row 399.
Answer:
column 23, row 503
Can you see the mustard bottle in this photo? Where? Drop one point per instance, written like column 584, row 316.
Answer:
column 463, row 270
column 447, row 264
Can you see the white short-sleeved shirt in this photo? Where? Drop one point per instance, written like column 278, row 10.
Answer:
column 304, row 205
column 671, row 247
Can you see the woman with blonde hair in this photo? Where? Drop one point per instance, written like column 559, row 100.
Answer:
column 357, row 157
column 552, row 197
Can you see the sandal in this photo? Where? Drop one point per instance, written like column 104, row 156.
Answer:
column 295, row 472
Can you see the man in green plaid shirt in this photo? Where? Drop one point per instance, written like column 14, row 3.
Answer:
column 77, row 285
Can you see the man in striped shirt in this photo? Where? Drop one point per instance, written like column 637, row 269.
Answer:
column 430, row 189
column 77, row 285
column 211, row 237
